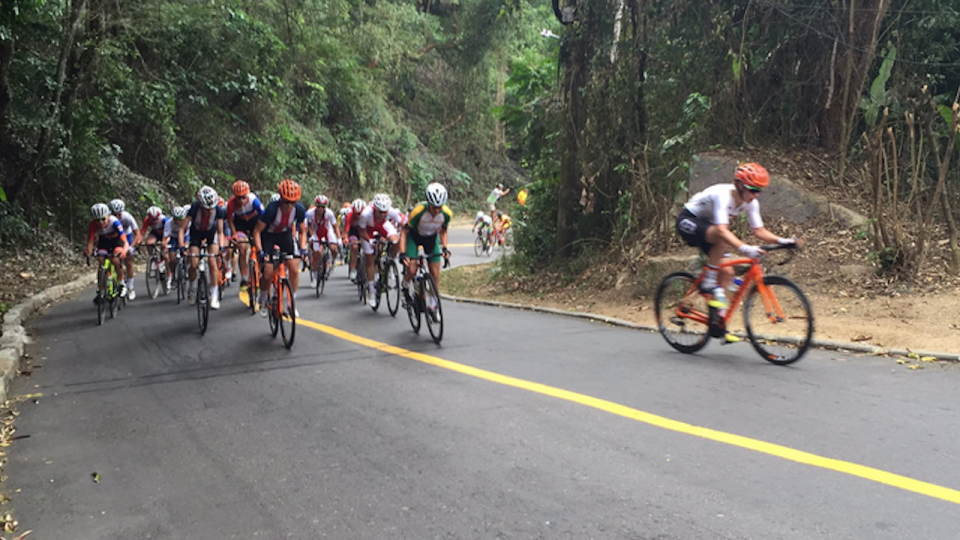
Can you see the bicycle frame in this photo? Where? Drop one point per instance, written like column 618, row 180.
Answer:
column 754, row 275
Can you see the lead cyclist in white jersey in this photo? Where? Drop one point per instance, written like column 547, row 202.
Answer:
column 704, row 222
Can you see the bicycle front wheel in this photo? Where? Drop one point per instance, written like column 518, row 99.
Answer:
column 203, row 303
column 413, row 310
column 682, row 313
column 253, row 284
column 287, row 314
column 779, row 321
column 152, row 277
column 391, row 282
column 273, row 310
column 478, row 246
column 433, row 312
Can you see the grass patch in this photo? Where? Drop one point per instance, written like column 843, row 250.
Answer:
column 467, row 280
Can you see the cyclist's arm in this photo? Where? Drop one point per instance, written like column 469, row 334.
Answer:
column 221, row 240
column 256, row 235
column 303, row 236
column 443, row 238
column 403, row 238
column 183, row 229
column 126, row 244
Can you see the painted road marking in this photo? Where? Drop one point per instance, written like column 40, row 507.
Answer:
column 784, row 452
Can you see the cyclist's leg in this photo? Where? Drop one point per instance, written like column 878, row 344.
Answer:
column 369, row 263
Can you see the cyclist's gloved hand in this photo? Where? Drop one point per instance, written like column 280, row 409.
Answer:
column 446, row 252
column 787, row 241
column 750, row 251
column 402, row 258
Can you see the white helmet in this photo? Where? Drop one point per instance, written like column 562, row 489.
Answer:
column 358, row 205
column 381, row 202
column 275, row 197
column 179, row 212
column 208, row 197
column 99, row 211
column 154, row 212
column 436, row 194
column 117, row 206
column 480, row 215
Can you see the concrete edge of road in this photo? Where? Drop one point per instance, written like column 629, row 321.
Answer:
column 14, row 338
column 829, row 344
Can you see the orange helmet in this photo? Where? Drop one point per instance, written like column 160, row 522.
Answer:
column 221, row 202
column 289, row 190
column 753, row 175
column 241, row 188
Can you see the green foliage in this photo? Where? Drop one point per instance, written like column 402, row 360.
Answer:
column 14, row 229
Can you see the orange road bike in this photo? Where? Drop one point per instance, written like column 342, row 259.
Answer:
column 776, row 314
column 281, row 310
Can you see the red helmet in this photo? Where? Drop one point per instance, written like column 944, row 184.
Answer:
column 753, row 175
column 289, row 190
column 241, row 188
column 321, row 200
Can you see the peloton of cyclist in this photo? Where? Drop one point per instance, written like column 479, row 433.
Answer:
column 111, row 240
column 118, row 209
column 243, row 211
column 321, row 225
column 380, row 218
column 205, row 222
column 427, row 227
column 704, row 223
column 280, row 222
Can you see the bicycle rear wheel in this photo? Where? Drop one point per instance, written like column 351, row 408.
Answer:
column 361, row 280
column 288, row 314
column 324, row 272
column 391, row 281
column 779, row 324
column 682, row 313
column 203, row 303
column 101, row 296
column 433, row 310
column 152, row 277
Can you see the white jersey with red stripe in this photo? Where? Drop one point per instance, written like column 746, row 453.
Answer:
column 385, row 228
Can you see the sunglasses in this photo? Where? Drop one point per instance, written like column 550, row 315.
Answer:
column 753, row 189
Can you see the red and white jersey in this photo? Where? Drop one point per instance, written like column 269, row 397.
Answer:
column 151, row 225
column 111, row 229
column 320, row 225
column 385, row 228
column 351, row 220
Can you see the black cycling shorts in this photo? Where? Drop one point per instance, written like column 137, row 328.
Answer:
column 693, row 230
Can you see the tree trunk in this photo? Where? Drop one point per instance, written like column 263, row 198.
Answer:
column 77, row 9
column 574, row 80
column 863, row 27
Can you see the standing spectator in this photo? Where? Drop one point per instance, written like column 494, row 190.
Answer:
column 494, row 197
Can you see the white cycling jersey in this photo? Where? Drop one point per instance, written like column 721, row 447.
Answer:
column 324, row 226
column 715, row 204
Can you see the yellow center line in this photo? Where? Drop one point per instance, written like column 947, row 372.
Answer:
column 784, row 452
column 459, row 245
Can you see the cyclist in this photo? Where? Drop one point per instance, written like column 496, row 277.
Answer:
column 111, row 239
column 378, row 218
column 118, row 209
column 352, row 233
column 427, row 227
column 277, row 226
column 478, row 221
column 243, row 211
column 204, row 221
column 321, row 225
column 704, row 223
column 171, row 241
column 502, row 224
column 483, row 227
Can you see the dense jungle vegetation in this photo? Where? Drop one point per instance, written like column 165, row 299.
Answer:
column 596, row 106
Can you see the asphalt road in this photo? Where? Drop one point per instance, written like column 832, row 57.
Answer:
column 521, row 425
